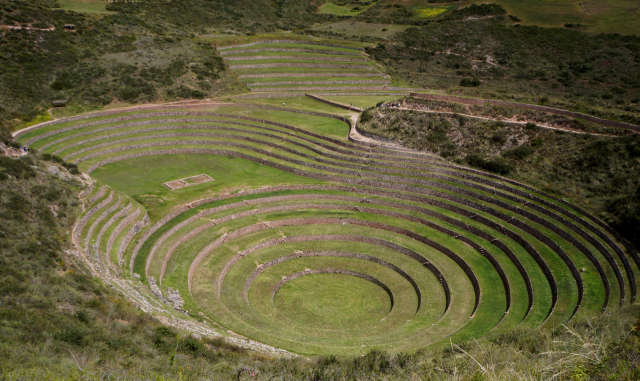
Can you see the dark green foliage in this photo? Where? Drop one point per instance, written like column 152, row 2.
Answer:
column 497, row 165
column 470, row 82
column 518, row 153
column 72, row 335
column 476, row 10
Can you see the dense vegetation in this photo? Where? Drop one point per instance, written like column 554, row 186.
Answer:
column 540, row 65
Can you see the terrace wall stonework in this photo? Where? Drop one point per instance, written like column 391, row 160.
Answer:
column 286, row 42
column 301, row 58
column 310, row 74
column 303, row 65
column 340, row 82
column 296, row 50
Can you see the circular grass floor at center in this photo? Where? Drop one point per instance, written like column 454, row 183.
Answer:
column 333, row 301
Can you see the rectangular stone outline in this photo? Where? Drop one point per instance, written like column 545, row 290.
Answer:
column 184, row 182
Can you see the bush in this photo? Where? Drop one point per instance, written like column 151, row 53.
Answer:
column 500, row 137
column 467, row 82
column 497, row 165
column 72, row 335
column 18, row 168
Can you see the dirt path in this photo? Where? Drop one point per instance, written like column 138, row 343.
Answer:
column 503, row 120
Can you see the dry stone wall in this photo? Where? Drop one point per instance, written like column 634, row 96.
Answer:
column 97, row 221
column 298, row 58
column 285, row 42
column 333, row 103
column 303, row 65
column 124, row 213
column 124, row 223
column 83, row 221
column 328, row 88
column 311, row 74
column 339, row 82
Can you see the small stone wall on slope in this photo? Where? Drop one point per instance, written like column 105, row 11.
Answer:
column 310, row 74
column 343, row 88
column 293, row 50
column 285, row 42
column 124, row 213
column 299, row 58
column 97, row 221
column 339, row 82
column 83, row 221
column 333, row 103
column 303, row 65
column 124, row 223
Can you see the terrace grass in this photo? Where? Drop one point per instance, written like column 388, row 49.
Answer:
column 541, row 289
column 219, row 257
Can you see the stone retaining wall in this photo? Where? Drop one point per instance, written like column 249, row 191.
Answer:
column 110, row 222
column 333, row 103
column 310, row 74
column 98, row 195
column 135, row 229
column 128, row 220
column 277, row 261
column 298, row 58
column 452, row 221
column 124, row 213
column 480, row 102
column 293, row 50
column 285, row 42
column 452, row 208
column 300, row 94
column 99, row 219
column 343, row 88
column 340, row 82
column 83, row 221
column 304, row 65
column 322, row 221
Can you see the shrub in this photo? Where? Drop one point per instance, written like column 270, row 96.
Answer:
column 500, row 137
column 531, row 126
column 467, row 82
column 497, row 165
column 519, row 152
column 72, row 335
column 18, row 168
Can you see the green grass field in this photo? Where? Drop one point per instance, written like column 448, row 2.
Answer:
column 86, row 6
